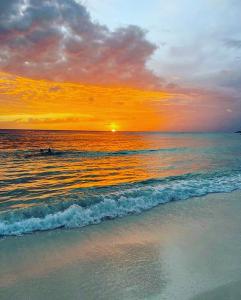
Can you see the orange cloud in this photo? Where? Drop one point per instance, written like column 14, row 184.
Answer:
column 42, row 104
column 28, row 103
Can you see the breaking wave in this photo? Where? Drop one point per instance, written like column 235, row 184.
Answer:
column 114, row 203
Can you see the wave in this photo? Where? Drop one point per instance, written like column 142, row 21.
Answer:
column 116, row 203
column 76, row 153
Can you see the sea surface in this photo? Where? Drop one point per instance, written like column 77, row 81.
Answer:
column 103, row 175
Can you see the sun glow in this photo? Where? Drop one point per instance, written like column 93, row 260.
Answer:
column 35, row 104
column 113, row 127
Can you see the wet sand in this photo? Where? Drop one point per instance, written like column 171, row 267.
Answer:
column 182, row 250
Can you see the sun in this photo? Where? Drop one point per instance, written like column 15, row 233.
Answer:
column 113, row 127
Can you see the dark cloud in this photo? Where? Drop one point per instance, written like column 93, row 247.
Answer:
column 57, row 40
column 231, row 79
column 233, row 43
column 228, row 78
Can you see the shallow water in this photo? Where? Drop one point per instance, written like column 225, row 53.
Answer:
column 187, row 250
column 99, row 175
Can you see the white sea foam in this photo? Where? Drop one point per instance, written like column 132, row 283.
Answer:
column 119, row 204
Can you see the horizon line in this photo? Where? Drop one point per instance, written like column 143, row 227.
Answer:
column 85, row 130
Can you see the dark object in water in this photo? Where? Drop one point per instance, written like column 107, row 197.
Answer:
column 44, row 152
column 48, row 151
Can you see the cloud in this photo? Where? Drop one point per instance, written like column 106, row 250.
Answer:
column 47, row 117
column 232, row 43
column 228, row 78
column 58, row 40
column 43, row 104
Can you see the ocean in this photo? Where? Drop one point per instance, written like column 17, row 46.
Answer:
column 96, row 176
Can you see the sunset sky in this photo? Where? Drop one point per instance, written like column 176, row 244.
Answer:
column 116, row 64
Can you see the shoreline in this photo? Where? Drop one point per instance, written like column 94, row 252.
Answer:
column 182, row 250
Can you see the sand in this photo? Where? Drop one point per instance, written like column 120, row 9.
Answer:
column 182, row 250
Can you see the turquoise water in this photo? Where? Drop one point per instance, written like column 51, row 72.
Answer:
column 101, row 175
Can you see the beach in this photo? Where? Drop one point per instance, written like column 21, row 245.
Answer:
column 120, row 165
column 181, row 250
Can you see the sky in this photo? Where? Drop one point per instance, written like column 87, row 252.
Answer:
column 115, row 64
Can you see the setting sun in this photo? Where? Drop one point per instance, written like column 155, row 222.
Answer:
column 113, row 127
column 109, row 109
